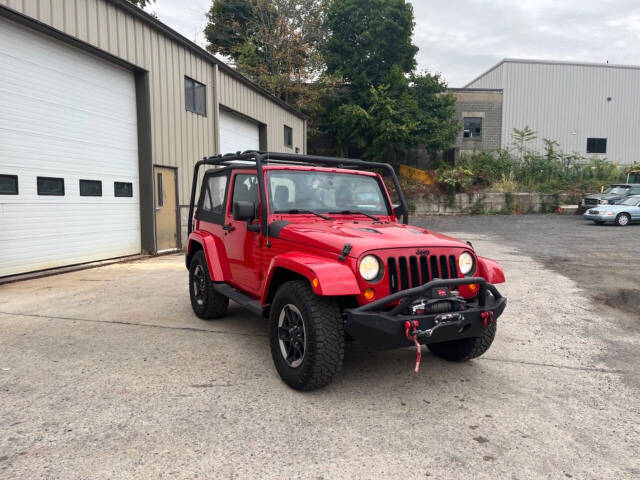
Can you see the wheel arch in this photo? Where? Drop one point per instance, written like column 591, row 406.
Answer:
column 326, row 277
column 207, row 243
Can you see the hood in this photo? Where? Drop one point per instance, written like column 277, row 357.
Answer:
column 608, row 208
column 605, row 196
column 363, row 236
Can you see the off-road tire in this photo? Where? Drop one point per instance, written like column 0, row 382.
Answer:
column 324, row 336
column 207, row 303
column 623, row 219
column 466, row 348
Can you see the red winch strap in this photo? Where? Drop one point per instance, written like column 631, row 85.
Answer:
column 487, row 318
column 412, row 337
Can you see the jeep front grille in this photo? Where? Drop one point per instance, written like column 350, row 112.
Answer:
column 413, row 271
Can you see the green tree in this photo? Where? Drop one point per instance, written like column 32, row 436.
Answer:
column 384, row 108
column 142, row 3
column 273, row 42
column 368, row 38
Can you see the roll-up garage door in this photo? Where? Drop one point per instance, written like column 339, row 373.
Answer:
column 68, row 155
column 237, row 133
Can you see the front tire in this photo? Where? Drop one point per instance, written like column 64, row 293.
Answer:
column 205, row 301
column 623, row 220
column 466, row 348
column 306, row 335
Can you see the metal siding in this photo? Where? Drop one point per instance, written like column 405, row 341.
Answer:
column 237, row 96
column 557, row 100
column 568, row 104
column 179, row 138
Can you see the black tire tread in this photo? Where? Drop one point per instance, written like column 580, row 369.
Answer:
column 325, row 320
column 215, row 304
column 467, row 348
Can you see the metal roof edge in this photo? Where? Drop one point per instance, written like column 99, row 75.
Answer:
column 198, row 50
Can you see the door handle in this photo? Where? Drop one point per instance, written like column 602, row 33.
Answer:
column 228, row 228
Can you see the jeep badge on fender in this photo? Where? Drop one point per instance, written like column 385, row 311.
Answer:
column 315, row 245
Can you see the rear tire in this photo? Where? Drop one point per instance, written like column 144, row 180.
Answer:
column 205, row 301
column 306, row 335
column 623, row 220
column 465, row 349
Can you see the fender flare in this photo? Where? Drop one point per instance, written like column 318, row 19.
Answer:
column 490, row 270
column 334, row 278
column 218, row 271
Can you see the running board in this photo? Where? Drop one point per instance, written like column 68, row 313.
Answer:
column 246, row 301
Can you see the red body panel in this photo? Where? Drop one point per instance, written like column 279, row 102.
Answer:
column 334, row 278
column 490, row 270
column 213, row 251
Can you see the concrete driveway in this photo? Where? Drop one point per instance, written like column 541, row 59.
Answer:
column 106, row 373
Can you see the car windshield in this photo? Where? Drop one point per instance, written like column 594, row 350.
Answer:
column 325, row 192
column 630, row 201
column 616, row 190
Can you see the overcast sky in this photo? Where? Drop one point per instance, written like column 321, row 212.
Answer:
column 463, row 38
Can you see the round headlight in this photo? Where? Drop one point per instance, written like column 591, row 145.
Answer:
column 466, row 263
column 369, row 267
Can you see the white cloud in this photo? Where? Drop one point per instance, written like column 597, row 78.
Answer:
column 463, row 38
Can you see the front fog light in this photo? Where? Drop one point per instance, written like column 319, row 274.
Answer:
column 369, row 267
column 465, row 263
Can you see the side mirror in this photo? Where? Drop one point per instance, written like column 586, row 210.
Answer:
column 244, row 211
column 398, row 210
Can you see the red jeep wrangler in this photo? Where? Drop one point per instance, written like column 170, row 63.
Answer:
column 314, row 245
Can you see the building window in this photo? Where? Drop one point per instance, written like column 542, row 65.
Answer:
column 596, row 145
column 123, row 189
column 160, row 192
column 8, row 184
column 90, row 188
column 195, row 97
column 472, row 127
column 50, row 186
column 288, row 136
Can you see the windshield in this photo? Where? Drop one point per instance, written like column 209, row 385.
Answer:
column 325, row 192
column 630, row 201
column 616, row 190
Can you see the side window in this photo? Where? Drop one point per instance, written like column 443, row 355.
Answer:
column 50, row 186
column 8, row 184
column 245, row 189
column 214, row 194
column 635, row 191
column 90, row 188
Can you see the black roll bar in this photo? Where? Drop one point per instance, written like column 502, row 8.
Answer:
column 262, row 158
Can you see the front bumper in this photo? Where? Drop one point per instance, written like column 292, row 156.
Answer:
column 599, row 217
column 374, row 327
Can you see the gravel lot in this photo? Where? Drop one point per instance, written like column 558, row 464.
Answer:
column 106, row 373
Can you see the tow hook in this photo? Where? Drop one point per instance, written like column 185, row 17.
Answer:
column 411, row 331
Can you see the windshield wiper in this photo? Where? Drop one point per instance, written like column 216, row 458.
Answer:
column 356, row 212
column 295, row 210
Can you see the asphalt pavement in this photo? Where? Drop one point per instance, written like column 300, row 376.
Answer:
column 107, row 373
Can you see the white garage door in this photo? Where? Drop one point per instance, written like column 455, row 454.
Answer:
column 66, row 119
column 237, row 133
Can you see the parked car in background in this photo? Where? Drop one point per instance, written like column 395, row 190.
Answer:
column 622, row 214
column 610, row 196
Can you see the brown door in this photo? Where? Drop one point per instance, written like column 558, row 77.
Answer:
column 166, row 208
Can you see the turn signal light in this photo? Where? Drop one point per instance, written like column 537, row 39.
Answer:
column 315, row 282
column 469, row 291
column 369, row 294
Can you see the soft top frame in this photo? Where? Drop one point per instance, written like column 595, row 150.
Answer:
column 264, row 158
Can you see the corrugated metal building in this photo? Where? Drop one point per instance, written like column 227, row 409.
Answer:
column 103, row 112
column 592, row 109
